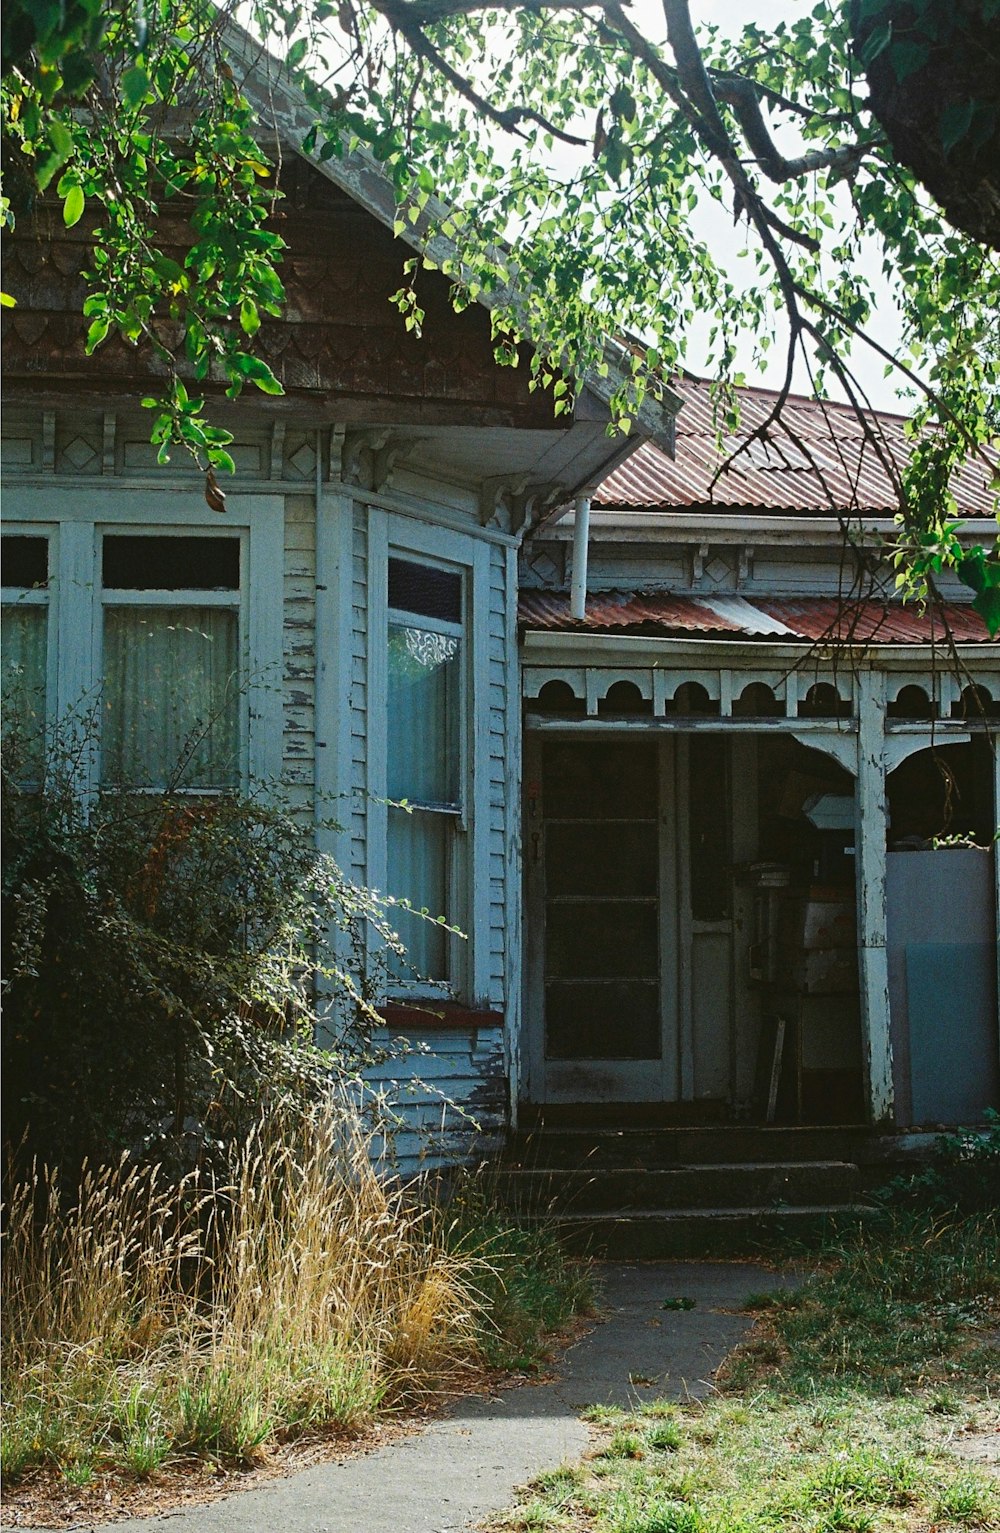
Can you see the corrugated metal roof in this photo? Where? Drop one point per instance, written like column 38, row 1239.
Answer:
column 811, row 618
column 845, row 472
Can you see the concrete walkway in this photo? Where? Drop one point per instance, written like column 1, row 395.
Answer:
column 468, row 1464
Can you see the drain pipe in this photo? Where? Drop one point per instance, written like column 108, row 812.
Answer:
column 581, row 543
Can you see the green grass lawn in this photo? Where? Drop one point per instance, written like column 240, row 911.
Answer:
column 842, row 1413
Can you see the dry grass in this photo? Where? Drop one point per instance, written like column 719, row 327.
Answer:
column 145, row 1322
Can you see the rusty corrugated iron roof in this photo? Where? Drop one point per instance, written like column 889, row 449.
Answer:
column 845, row 473
column 810, row 618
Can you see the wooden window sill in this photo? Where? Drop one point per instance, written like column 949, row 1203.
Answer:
column 436, row 1016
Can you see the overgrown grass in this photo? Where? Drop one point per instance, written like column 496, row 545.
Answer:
column 145, row 1323
column 903, row 1301
column 838, row 1415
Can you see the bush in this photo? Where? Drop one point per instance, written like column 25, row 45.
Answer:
column 964, row 1173
column 162, row 962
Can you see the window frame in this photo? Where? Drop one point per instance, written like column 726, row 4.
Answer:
column 230, row 600
column 76, row 521
column 47, row 597
column 393, row 535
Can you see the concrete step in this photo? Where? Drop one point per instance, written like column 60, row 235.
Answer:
column 662, row 1148
column 680, row 1233
column 724, row 1185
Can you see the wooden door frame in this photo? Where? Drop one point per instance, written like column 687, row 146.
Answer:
column 634, row 1080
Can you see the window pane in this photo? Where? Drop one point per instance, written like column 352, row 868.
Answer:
column 424, row 758
column 600, row 780
column 601, row 939
column 419, row 849
column 171, row 697
column 25, row 642
column 170, row 564
column 424, row 590
column 25, row 561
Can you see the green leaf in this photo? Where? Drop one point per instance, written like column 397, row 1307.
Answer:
column 907, row 58
column 135, row 85
column 7, row 302
column 987, row 604
column 954, row 123
column 95, row 335
column 73, row 206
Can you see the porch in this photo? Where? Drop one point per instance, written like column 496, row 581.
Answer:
column 728, row 916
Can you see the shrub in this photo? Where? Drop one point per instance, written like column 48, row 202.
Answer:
column 162, row 961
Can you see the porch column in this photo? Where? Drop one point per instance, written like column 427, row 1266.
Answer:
column 996, row 857
column 870, row 844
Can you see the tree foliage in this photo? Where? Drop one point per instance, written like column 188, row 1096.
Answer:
column 553, row 160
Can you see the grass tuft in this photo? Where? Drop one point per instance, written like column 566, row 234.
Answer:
column 146, row 1321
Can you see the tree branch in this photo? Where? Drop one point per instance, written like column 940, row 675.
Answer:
column 742, row 95
column 406, row 18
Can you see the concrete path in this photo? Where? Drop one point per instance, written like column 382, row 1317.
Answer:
column 467, row 1464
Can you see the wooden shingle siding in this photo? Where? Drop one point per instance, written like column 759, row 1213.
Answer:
column 298, row 752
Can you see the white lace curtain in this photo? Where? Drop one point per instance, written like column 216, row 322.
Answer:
column 170, row 702
column 424, row 768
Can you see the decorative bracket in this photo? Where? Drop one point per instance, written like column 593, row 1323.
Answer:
column 498, row 497
column 369, row 458
column 744, row 570
column 698, row 556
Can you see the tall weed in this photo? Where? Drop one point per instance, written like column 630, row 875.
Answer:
column 147, row 1318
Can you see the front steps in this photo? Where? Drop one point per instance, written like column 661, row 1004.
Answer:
column 677, row 1192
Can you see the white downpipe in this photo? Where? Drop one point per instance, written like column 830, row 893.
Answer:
column 581, row 543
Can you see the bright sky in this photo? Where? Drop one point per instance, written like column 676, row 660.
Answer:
column 716, row 226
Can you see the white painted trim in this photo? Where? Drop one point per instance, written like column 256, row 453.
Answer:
column 378, row 696
column 264, row 565
column 726, row 526
column 428, row 512
column 603, row 648
column 513, row 874
column 333, row 617
column 78, row 620
column 870, row 844
column 477, row 775
column 146, row 509
column 898, row 747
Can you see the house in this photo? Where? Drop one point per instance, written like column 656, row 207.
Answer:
column 610, row 795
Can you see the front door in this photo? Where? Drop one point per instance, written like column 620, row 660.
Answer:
column 602, row 928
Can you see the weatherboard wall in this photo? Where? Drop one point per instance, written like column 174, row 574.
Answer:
column 317, row 711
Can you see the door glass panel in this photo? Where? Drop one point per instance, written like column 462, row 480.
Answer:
column 602, row 960
column 601, row 939
column 614, row 780
column 619, row 1019
column 594, row 857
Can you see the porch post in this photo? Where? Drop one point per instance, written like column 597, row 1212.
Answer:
column 870, row 840
column 996, row 858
